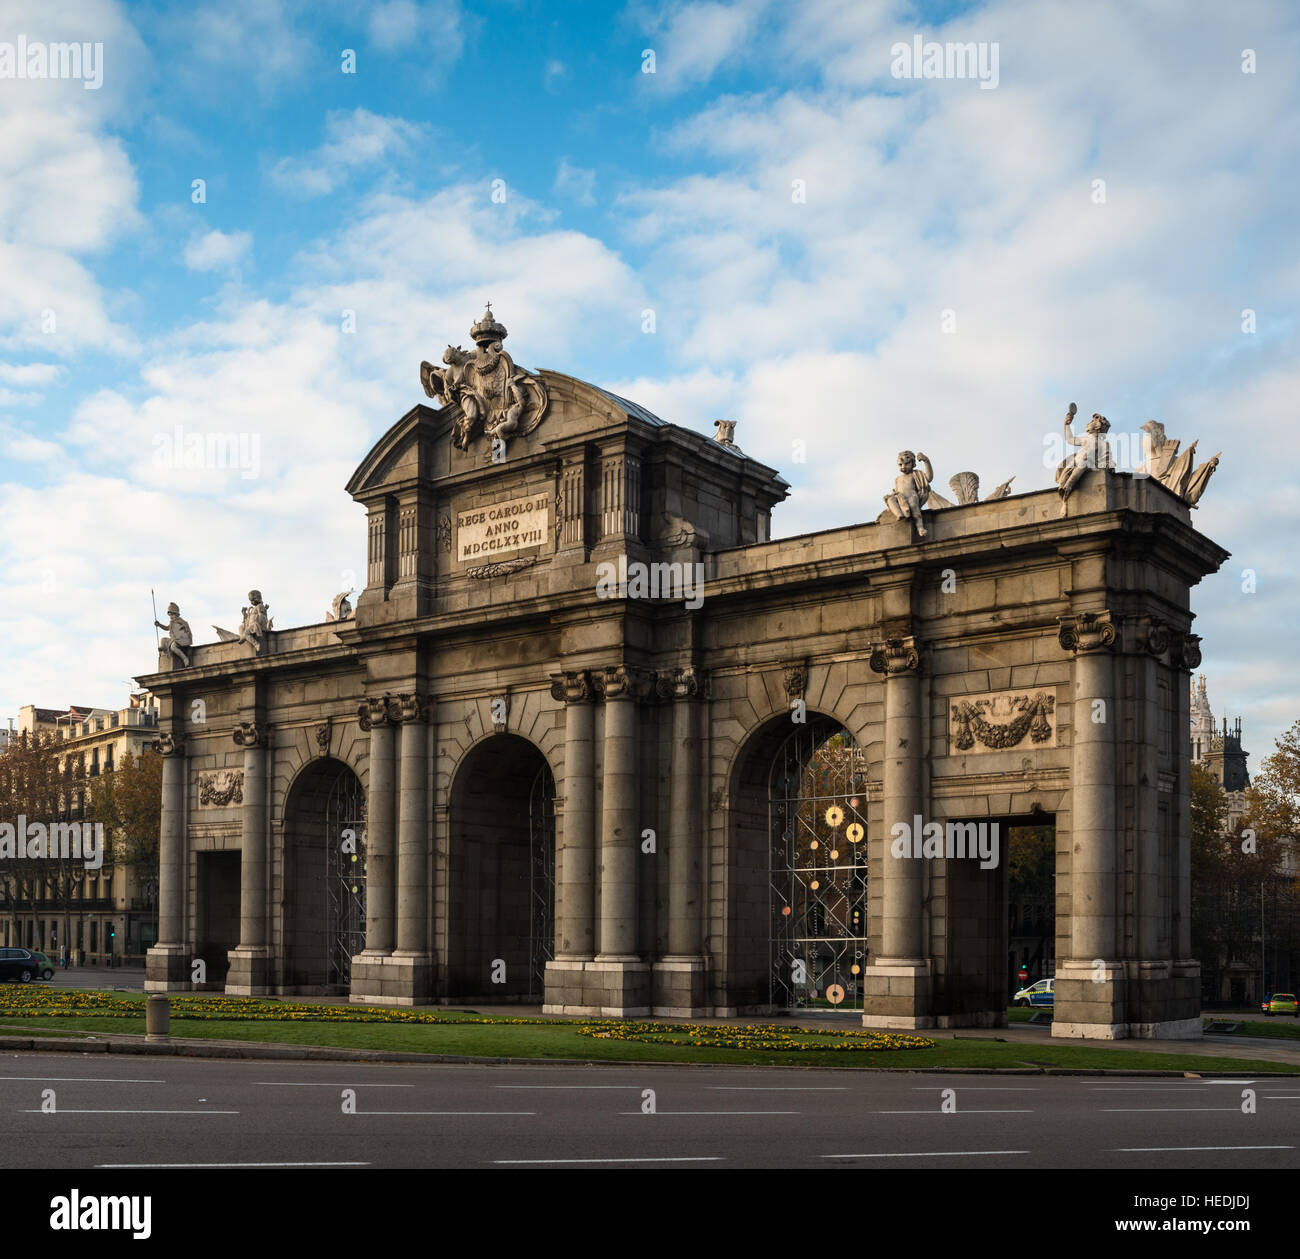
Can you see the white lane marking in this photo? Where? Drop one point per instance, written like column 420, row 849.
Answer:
column 83, row 1079
column 566, row 1086
column 971, row 1088
column 1284, row 1097
column 1227, row 1081
column 298, row 1084
column 931, row 1154
column 62, row 1111
column 1162, row 1149
column 708, row 1112
column 699, row 1158
column 775, row 1088
column 116, row 1165
column 444, row 1112
column 954, row 1112
column 1162, row 1110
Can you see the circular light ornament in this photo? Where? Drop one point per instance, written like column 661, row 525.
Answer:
column 835, row 854
column 834, row 815
column 785, row 911
column 814, row 844
column 814, row 885
column 855, row 833
column 835, row 994
column 855, row 969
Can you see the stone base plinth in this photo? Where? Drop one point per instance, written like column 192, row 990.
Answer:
column 1147, row 1000
column 250, row 972
column 678, row 988
column 392, row 979
column 605, row 987
column 1090, row 1000
column 897, row 994
column 167, row 968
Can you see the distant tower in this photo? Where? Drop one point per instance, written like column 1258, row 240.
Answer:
column 1202, row 722
column 1220, row 752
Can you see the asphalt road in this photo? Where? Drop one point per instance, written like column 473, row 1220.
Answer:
column 203, row 1113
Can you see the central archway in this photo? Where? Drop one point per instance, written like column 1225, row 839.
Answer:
column 501, row 916
column 797, row 869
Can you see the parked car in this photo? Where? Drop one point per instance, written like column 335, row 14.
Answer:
column 47, row 967
column 18, row 965
column 1039, row 995
column 1282, row 1003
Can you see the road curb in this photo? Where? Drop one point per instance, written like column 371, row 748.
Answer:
column 317, row 1053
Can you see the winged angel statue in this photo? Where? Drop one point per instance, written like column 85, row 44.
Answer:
column 495, row 396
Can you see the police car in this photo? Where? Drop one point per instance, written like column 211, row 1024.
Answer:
column 1039, row 994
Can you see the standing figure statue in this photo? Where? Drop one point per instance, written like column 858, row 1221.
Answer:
column 911, row 489
column 178, row 635
column 1093, row 452
column 255, row 624
column 340, row 607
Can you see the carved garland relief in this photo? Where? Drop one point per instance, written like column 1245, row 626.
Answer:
column 1001, row 720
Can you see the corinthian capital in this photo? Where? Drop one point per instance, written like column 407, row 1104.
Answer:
column 572, row 686
column 895, row 656
column 1083, row 632
column 248, row 734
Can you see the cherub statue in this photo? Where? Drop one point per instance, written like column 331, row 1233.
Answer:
column 178, row 635
column 340, row 608
column 1093, row 452
column 911, row 489
column 255, row 624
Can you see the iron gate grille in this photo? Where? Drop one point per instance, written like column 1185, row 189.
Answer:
column 345, row 876
column 541, row 880
column 817, row 810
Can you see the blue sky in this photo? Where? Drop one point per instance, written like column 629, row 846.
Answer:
column 814, row 319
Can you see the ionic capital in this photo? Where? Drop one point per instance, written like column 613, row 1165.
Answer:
column 1185, row 651
column 623, row 682
column 167, row 744
column 572, row 687
column 250, row 734
column 895, row 657
column 1085, row 632
column 687, row 683
column 380, row 711
column 410, row 708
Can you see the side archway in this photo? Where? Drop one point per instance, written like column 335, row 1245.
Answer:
column 324, row 877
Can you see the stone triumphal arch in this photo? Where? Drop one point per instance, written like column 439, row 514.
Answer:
column 592, row 739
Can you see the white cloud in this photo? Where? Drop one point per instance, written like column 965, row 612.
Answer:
column 215, row 251
column 575, row 183
column 355, row 140
column 436, row 25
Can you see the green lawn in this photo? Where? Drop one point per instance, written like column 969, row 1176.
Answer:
column 461, row 1034
column 1276, row 1028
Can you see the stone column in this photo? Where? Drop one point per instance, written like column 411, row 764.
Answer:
column 1089, row 995
column 622, row 977
column 575, row 852
column 1185, row 1009
column 249, row 974
column 371, row 969
column 679, row 978
column 898, row 982
column 167, row 966
column 413, row 961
